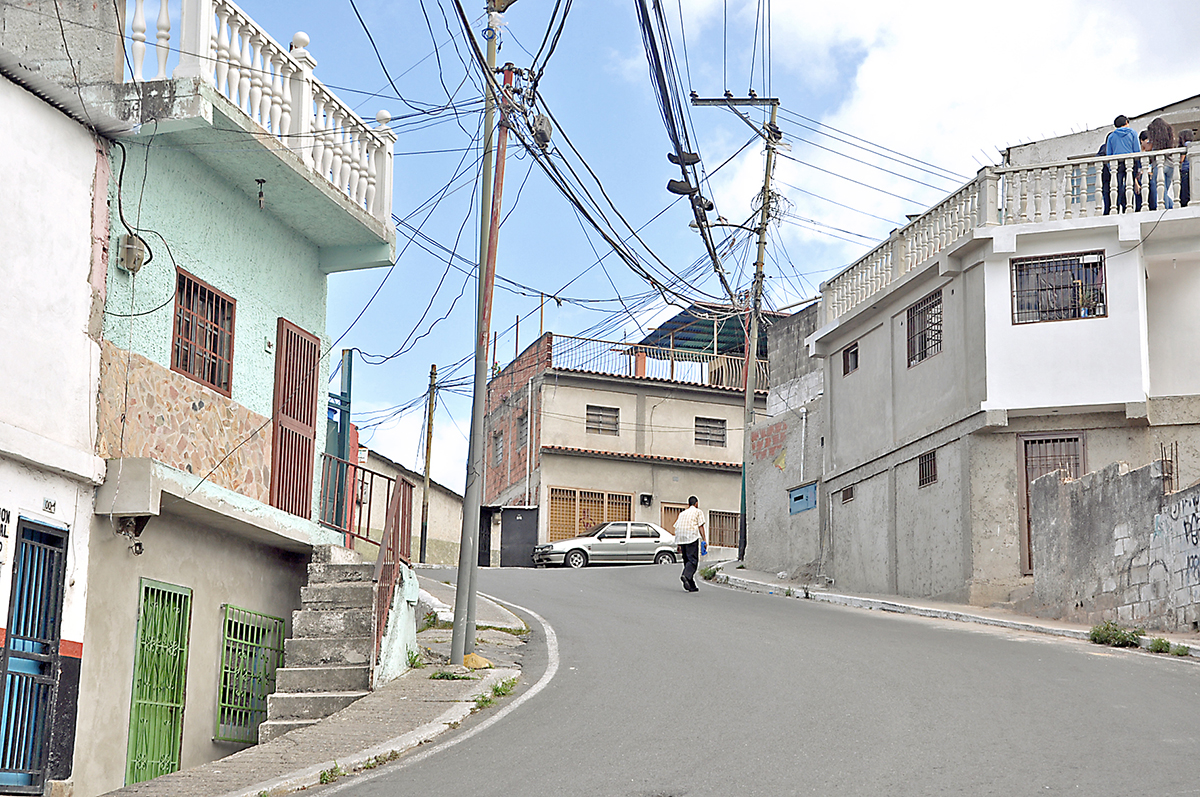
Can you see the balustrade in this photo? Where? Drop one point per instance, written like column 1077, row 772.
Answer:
column 656, row 362
column 275, row 88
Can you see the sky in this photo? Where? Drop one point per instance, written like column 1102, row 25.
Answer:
column 887, row 107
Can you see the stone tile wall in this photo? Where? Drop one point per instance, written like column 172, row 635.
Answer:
column 176, row 421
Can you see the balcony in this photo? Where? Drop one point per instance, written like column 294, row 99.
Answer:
column 1059, row 192
column 656, row 362
column 222, row 75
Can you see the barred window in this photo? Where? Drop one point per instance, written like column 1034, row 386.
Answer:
column 253, row 651
column 927, row 468
column 497, row 448
column 603, row 420
column 710, row 432
column 723, row 528
column 522, row 432
column 925, row 328
column 574, row 511
column 847, row 493
column 1058, row 287
column 850, row 359
column 202, row 344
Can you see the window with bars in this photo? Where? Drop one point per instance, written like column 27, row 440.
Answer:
column 723, row 528
column 603, row 420
column 927, row 468
column 574, row 511
column 925, row 328
column 710, row 432
column 1044, row 455
column 850, row 359
column 497, row 449
column 293, row 442
column 252, row 652
column 522, row 438
column 202, row 345
column 1058, row 287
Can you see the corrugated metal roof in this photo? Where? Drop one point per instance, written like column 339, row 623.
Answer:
column 702, row 323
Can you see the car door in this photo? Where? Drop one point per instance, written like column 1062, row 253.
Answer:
column 611, row 543
column 643, row 540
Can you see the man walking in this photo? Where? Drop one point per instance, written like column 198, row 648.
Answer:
column 689, row 531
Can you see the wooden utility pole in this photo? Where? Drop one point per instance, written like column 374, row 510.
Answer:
column 771, row 135
column 428, row 457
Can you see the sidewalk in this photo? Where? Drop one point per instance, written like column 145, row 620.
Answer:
column 407, row 712
column 757, row 581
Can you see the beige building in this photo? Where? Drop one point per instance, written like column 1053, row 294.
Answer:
column 589, row 430
column 444, row 523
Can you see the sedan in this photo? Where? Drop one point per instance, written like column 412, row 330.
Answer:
column 620, row 541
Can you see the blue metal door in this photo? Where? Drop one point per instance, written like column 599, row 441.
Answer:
column 30, row 659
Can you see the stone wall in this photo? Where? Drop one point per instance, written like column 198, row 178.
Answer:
column 1102, row 550
column 179, row 422
column 1176, row 547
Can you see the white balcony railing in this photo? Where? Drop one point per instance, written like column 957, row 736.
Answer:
column 655, row 362
column 276, row 89
column 1043, row 192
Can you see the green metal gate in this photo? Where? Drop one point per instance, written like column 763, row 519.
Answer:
column 159, row 681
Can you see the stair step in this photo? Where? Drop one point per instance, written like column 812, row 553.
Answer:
column 273, row 729
column 341, row 595
column 345, row 678
column 335, row 651
column 322, row 573
column 309, row 705
column 311, row 623
column 335, row 554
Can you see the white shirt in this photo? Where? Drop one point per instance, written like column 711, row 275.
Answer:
column 688, row 525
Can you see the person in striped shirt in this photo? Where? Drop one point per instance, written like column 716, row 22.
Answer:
column 689, row 531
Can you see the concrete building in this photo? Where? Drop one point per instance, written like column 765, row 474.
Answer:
column 590, row 430
column 1011, row 330
column 171, row 283
column 445, row 510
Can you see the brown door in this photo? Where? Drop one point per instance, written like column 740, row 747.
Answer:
column 1044, row 455
column 293, row 446
column 670, row 513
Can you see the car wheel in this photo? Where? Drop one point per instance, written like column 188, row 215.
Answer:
column 575, row 559
column 664, row 558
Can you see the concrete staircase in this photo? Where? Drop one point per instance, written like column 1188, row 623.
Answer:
column 327, row 662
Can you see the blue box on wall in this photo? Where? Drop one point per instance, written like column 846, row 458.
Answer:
column 802, row 498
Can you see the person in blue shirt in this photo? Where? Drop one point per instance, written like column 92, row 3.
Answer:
column 1121, row 141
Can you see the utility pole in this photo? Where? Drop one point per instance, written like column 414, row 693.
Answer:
column 771, row 135
column 463, row 637
column 428, row 457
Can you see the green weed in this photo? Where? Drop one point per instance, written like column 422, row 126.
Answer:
column 414, row 659
column 504, row 688
column 1109, row 633
column 483, row 701
column 332, row 774
column 446, row 675
column 709, row 573
column 1159, row 645
column 1180, row 650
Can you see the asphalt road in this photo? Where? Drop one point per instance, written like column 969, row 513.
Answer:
column 661, row 693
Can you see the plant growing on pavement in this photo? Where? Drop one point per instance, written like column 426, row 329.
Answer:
column 1180, row 650
column 332, row 774
column 1159, row 645
column 504, row 688
column 414, row 659
column 482, row 702
column 446, row 675
column 709, row 573
column 1109, row 633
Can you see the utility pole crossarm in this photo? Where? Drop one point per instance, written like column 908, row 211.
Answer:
column 753, row 101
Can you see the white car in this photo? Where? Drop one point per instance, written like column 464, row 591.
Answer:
column 623, row 542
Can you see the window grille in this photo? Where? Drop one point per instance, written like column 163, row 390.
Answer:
column 603, row 420
column 1046, row 455
column 847, row 493
column 573, row 511
column 159, row 681
column 925, row 328
column 850, row 359
column 202, row 346
column 253, row 651
column 723, row 528
column 927, row 468
column 522, row 432
column 710, row 432
column 497, row 449
column 293, row 446
column 1058, row 287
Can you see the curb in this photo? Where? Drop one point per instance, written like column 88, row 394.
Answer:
column 311, row 776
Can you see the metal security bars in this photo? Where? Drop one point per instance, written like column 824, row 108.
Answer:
column 293, row 442
column 927, row 469
column 202, row 346
column 925, row 328
column 1045, row 455
column 159, row 681
column 252, row 652
column 710, row 432
column 574, row 511
column 603, row 420
column 30, row 660
column 1058, row 287
column 723, row 528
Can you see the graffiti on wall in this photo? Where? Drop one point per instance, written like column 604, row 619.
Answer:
column 1177, row 536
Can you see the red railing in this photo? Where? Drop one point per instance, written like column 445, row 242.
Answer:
column 374, row 509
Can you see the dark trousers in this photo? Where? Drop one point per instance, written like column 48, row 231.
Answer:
column 691, row 560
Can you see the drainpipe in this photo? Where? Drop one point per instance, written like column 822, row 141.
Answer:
column 528, row 436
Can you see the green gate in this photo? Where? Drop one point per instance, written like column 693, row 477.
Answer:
column 159, row 680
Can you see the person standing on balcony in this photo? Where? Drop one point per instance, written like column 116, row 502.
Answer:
column 689, row 531
column 1185, row 170
column 1122, row 141
column 1162, row 136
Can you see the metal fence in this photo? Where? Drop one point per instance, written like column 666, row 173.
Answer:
column 656, row 362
